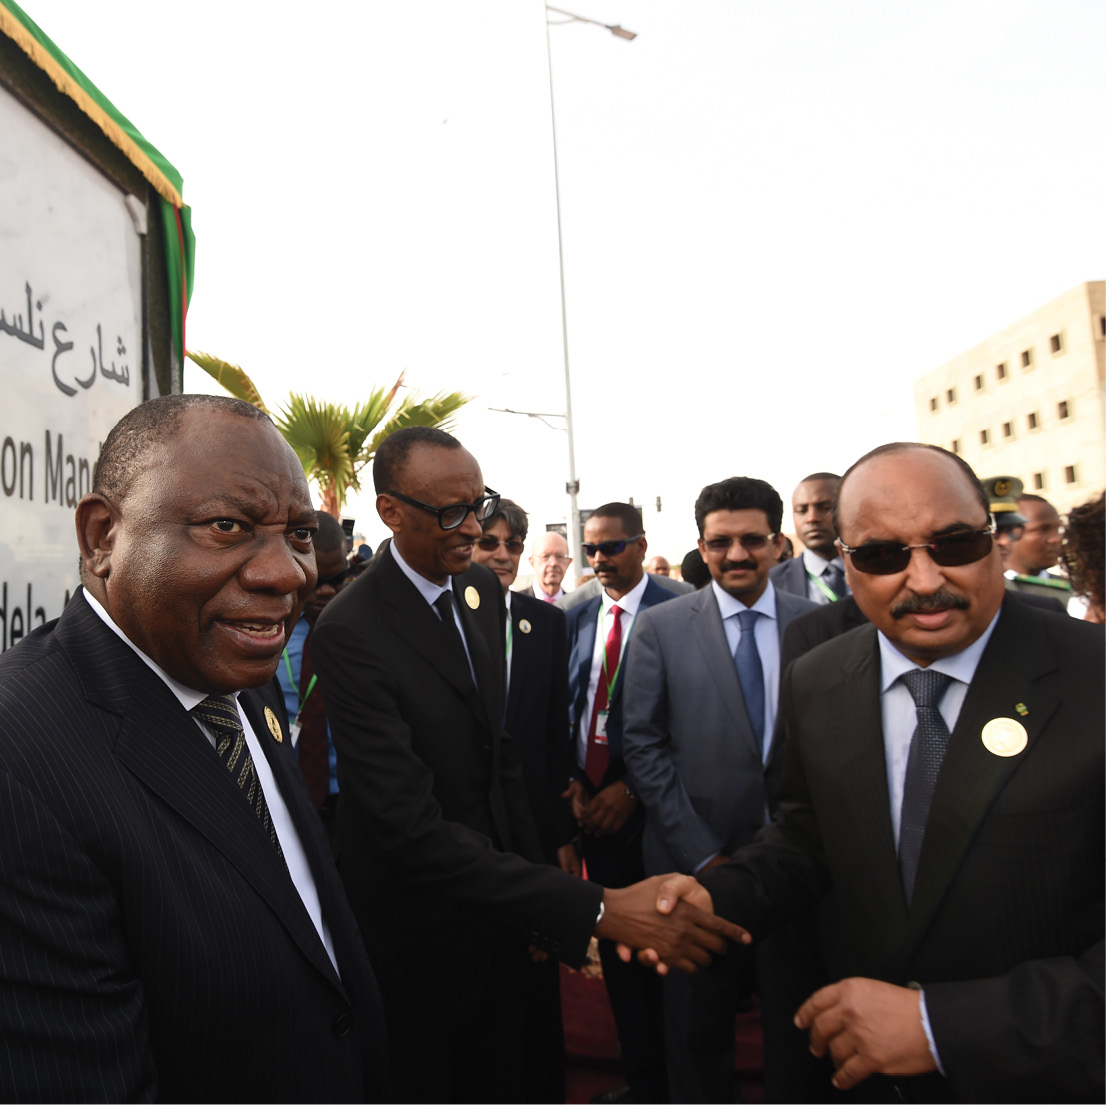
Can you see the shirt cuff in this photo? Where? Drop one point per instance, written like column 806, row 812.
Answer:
column 928, row 1030
column 708, row 858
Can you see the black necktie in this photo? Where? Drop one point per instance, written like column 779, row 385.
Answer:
column 927, row 750
column 444, row 606
column 220, row 715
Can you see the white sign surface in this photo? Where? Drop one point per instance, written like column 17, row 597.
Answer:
column 70, row 354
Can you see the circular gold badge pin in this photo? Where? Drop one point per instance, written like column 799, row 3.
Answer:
column 1004, row 737
column 525, row 626
column 472, row 597
column 274, row 724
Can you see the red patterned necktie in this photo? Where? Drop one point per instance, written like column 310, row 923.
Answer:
column 599, row 754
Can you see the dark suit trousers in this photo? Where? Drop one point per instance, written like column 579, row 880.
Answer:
column 635, row 991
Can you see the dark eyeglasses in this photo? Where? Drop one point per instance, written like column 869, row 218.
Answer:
column 489, row 544
column 450, row 517
column 949, row 551
column 750, row 542
column 334, row 581
column 610, row 548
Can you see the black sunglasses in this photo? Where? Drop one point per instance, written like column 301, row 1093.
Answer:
column 450, row 517
column 949, row 551
column 750, row 542
column 610, row 548
column 489, row 544
column 334, row 581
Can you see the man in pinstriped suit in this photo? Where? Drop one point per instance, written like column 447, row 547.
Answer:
column 158, row 942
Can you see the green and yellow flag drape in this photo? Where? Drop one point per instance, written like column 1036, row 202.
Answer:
column 180, row 244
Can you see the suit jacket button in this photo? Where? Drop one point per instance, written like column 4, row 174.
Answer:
column 342, row 1026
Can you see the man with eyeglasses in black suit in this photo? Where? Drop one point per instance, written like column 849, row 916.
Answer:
column 942, row 787
column 433, row 824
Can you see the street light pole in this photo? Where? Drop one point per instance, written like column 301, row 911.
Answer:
column 572, row 487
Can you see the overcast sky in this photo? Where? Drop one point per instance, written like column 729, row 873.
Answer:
column 776, row 214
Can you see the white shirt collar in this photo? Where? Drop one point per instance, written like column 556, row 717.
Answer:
column 960, row 666
column 728, row 605
column 428, row 589
column 188, row 697
column 817, row 563
column 630, row 602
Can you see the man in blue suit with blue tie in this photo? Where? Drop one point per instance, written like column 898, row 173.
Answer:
column 603, row 797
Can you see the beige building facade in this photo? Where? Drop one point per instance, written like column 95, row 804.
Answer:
column 1029, row 400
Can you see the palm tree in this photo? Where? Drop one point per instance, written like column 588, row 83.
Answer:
column 335, row 442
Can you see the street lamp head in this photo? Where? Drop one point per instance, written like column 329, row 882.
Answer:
column 622, row 33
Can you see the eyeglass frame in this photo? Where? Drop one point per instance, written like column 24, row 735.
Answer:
column 990, row 530
column 514, row 547
column 488, row 504
column 750, row 542
column 610, row 548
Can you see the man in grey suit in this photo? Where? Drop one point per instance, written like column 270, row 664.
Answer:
column 702, row 677
column 817, row 574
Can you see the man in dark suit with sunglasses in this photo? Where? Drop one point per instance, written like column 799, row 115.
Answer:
column 942, row 786
column 603, row 798
column 432, row 815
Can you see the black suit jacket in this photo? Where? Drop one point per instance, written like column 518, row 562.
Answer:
column 1005, row 928
column 152, row 944
column 431, row 796
column 537, row 715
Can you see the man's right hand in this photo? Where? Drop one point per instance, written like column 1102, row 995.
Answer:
column 668, row 919
column 577, row 797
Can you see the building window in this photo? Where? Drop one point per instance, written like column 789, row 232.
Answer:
column 956, row 446
column 1007, row 428
column 1027, row 357
column 1069, row 473
column 1038, row 481
column 1063, row 410
column 1000, row 372
column 950, row 395
column 1031, row 421
column 933, row 405
column 1102, row 326
column 979, row 382
column 984, row 436
column 1055, row 344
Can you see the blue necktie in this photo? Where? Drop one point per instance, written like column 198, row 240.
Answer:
column 834, row 579
column 750, row 673
column 927, row 750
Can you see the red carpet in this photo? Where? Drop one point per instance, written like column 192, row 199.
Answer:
column 591, row 1043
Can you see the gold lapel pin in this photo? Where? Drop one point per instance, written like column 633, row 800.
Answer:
column 525, row 626
column 1004, row 737
column 273, row 724
column 472, row 597
column 1021, row 709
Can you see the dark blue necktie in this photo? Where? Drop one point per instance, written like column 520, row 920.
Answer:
column 834, row 579
column 927, row 750
column 750, row 673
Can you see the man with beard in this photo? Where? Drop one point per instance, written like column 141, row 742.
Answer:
column 942, row 785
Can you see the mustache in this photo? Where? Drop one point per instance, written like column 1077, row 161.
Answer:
column 923, row 604
column 597, row 568
column 730, row 565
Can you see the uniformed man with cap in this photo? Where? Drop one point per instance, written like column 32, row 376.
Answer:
column 1003, row 493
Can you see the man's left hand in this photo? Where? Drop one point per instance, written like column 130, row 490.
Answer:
column 608, row 810
column 868, row 1027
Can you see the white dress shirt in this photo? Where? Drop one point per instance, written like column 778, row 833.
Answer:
column 431, row 591
column 629, row 604
column 294, row 856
